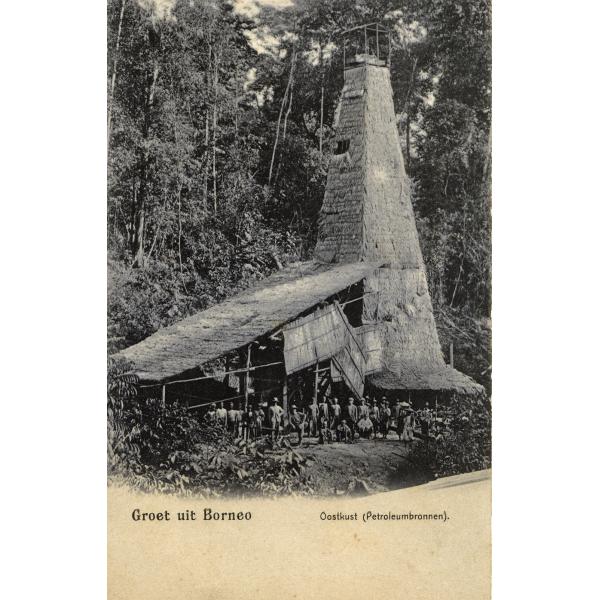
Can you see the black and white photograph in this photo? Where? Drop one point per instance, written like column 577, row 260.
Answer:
column 299, row 253
column 265, row 330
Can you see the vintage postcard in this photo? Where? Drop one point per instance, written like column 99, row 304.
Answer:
column 299, row 295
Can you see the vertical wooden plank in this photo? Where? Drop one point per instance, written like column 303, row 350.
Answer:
column 377, row 38
column 247, row 377
column 164, row 395
column 316, row 394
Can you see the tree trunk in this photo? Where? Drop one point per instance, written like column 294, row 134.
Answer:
column 113, row 82
column 408, row 141
column 214, row 143
column 206, row 137
column 321, row 126
column 140, row 205
column 287, row 114
column 139, row 221
column 283, row 103
column 322, row 98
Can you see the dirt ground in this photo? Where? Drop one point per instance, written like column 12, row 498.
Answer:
column 380, row 464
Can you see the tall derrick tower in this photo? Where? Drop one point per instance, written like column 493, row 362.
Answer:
column 367, row 215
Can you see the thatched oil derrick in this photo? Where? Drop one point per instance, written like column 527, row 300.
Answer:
column 360, row 310
column 367, row 215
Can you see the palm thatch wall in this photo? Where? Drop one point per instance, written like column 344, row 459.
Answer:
column 367, row 215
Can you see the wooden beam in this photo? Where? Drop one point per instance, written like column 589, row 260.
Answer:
column 255, row 368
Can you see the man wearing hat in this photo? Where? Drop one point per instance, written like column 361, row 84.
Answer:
column 275, row 417
column 297, row 422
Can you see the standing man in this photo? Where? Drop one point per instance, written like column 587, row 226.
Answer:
column 275, row 418
column 211, row 416
column 221, row 415
column 426, row 418
column 232, row 417
column 324, row 409
column 247, row 418
column 313, row 423
column 259, row 419
column 297, row 422
column 352, row 415
column 385, row 418
column 408, row 426
column 396, row 417
column 375, row 413
column 336, row 413
column 237, row 423
column 363, row 410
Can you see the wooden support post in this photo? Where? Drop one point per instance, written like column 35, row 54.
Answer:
column 284, row 395
column 247, row 377
column 452, row 354
column 317, row 382
column 366, row 45
column 377, row 38
column 164, row 395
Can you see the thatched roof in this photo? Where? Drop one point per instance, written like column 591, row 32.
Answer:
column 443, row 379
column 236, row 322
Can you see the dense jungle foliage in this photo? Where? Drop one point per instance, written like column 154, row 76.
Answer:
column 219, row 133
column 165, row 448
column 463, row 445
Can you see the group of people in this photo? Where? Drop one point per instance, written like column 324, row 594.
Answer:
column 325, row 419
column 367, row 419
